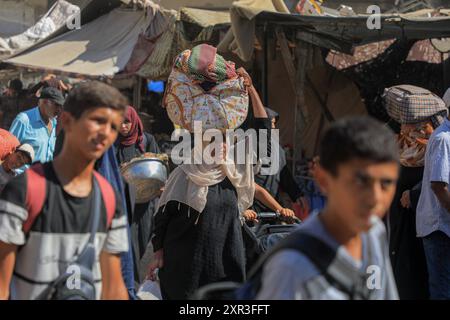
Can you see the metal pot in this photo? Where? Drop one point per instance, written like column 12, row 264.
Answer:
column 147, row 175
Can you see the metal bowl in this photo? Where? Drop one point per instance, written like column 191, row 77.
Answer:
column 147, row 175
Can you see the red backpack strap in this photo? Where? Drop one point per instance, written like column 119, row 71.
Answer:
column 108, row 195
column 36, row 193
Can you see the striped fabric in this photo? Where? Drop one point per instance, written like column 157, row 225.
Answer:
column 203, row 64
column 408, row 104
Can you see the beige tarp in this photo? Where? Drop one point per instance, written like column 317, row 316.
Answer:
column 210, row 4
column 127, row 42
column 100, row 48
column 342, row 96
column 176, row 38
column 343, row 100
column 240, row 37
column 204, row 18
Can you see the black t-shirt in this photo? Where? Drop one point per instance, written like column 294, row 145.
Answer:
column 126, row 153
column 58, row 234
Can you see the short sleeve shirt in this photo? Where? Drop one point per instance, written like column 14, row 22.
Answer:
column 431, row 215
column 57, row 236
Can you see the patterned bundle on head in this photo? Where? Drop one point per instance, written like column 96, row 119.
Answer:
column 204, row 64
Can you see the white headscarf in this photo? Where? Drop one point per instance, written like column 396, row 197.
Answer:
column 189, row 183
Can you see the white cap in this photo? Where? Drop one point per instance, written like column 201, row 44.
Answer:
column 28, row 149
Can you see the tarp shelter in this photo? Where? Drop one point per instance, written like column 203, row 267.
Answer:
column 185, row 29
column 339, row 33
column 127, row 42
column 17, row 41
column 297, row 42
column 101, row 47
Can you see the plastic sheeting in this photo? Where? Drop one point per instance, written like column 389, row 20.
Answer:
column 102, row 47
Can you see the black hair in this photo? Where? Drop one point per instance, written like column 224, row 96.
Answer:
column 93, row 94
column 16, row 85
column 26, row 155
column 359, row 137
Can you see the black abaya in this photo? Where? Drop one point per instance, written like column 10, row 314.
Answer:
column 140, row 214
column 406, row 250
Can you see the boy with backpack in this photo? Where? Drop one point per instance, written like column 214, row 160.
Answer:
column 342, row 252
column 62, row 227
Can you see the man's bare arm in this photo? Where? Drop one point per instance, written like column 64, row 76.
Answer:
column 7, row 261
column 113, row 287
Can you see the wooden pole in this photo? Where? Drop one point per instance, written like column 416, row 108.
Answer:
column 295, row 75
column 137, row 96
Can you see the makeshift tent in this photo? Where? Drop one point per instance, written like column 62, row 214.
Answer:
column 339, row 33
column 127, row 42
column 299, row 41
column 102, row 47
column 422, row 50
column 328, row 95
column 184, row 31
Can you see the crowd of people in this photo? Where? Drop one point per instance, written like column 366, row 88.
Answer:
column 384, row 232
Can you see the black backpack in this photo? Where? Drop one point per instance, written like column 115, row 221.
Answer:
column 354, row 284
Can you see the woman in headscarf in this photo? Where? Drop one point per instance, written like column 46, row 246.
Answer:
column 198, row 225
column 132, row 142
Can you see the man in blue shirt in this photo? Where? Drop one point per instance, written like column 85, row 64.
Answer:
column 37, row 126
column 433, row 212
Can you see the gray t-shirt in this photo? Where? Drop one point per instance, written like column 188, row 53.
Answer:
column 290, row 275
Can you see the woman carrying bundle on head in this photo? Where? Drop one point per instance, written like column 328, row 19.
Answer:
column 198, row 225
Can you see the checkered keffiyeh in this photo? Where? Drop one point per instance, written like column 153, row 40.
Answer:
column 408, row 104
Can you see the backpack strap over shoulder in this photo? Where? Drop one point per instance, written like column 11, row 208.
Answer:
column 35, row 194
column 324, row 258
column 108, row 195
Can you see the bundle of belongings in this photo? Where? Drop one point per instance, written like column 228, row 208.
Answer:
column 419, row 112
column 204, row 87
